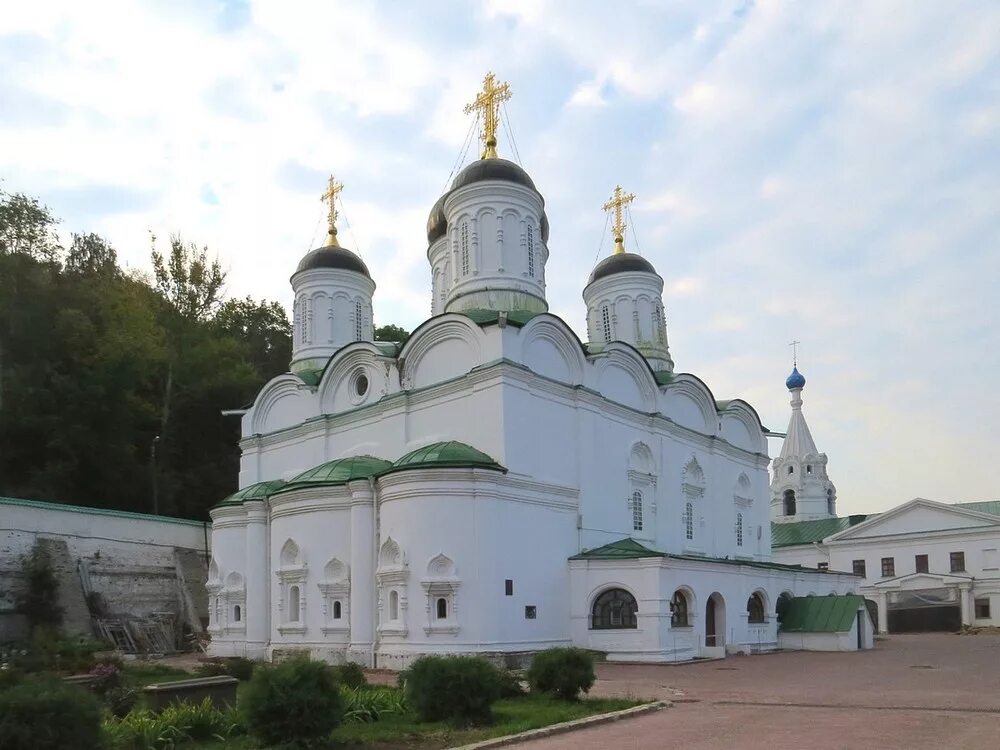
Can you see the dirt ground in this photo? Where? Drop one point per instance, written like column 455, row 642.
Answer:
column 912, row 691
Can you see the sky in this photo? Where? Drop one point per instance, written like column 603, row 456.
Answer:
column 821, row 172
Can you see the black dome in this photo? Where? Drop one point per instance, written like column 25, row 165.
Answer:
column 437, row 222
column 620, row 263
column 545, row 228
column 333, row 257
column 493, row 169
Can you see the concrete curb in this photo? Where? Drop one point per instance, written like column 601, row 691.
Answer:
column 567, row 726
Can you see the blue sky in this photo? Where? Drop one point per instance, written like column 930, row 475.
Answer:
column 828, row 172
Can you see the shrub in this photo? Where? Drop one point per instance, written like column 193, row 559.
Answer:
column 351, row 675
column 212, row 669
column 10, row 677
column 48, row 714
column 367, row 704
column 510, row 684
column 562, row 672
column 178, row 723
column 38, row 598
column 293, row 702
column 233, row 666
column 461, row 689
column 105, row 677
column 120, row 700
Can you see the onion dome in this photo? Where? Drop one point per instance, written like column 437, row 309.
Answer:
column 493, row 169
column 333, row 256
column 258, row 491
column 451, row 454
column 337, row 472
column 437, row 222
column 620, row 263
column 795, row 380
column 545, row 228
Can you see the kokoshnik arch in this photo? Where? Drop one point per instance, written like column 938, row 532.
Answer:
column 494, row 484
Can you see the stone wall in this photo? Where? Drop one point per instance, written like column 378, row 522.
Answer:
column 130, row 564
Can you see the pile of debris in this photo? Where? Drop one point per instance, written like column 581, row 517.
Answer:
column 156, row 634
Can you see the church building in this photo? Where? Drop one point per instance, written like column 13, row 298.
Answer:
column 923, row 565
column 495, row 484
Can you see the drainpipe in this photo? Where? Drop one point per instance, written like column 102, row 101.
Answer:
column 375, row 534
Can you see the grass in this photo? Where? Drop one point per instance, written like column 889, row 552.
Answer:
column 139, row 675
column 511, row 715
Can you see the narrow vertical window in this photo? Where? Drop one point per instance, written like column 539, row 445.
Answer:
column 358, row 321
column 606, row 323
column 531, row 251
column 508, row 587
column 393, row 605
column 293, row 604
column 465, row 248
column 635, row 324
column 636, row 511
column 337, row 609
column 442, row 609
column 237, row 613
column 689, row 521
column 739, row 529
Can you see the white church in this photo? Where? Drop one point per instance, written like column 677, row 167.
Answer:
column 494, row 484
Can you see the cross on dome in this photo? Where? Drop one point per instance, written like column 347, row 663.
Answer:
column 333, row 189
column 619, row 200
column 488, row 103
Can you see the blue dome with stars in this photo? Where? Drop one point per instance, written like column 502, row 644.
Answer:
column 795, row 380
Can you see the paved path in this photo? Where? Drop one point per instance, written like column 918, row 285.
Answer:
column 919, row 691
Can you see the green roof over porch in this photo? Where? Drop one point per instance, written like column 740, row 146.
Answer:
column 820, row 614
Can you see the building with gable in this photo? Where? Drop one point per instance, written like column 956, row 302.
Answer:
column 494, row 484
column 924, row 565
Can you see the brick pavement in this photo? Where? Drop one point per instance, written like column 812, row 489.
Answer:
column 915, row 691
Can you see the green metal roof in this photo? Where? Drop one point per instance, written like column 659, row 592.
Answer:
column 449, row 454
column 309, row 377
column 45, row 505
column 630, row 549
column 820, row 614
column 257, row 491
column 986, row 506
column 516, row 318
column 337, row 472
column 807, row 532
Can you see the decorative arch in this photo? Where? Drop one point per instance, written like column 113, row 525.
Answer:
column 690, row 403
column 621, row 357
column 682, row 607
column 234, row 581
column 741, row 427
column 441, row 566
column 335, row 590
column 292, row 599
column 757, row 608
column 459, row 342
column 335, row 571
column 291, row 555
column 390, row 554
column 550, row 348
column 284, row 402
column 441, row 585
column 614, row 608
column 641, row 458
column 213, row 571
column 337, row 376
column 693, row 475
column 391, row 579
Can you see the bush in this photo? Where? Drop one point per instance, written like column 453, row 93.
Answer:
column 233, row 666
column 48, row 651
column 562, row 672
column 10, row 677
column 293, row 702
column 38, row 598
column 120, row 700
column 367, row 704
column 351, row 675
column 510, row 684
column 48, row 714
column 461, row 689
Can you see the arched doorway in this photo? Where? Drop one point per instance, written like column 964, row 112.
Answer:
column 715, row 622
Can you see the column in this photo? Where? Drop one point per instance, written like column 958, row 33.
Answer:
column 258, row 601
column 362, row 573
column 965, row 600
column 883, row 612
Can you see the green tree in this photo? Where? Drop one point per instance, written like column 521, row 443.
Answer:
column 27, row 228
column 91, row 254
column 38, row 597
column 265, row 330
column 391, row 332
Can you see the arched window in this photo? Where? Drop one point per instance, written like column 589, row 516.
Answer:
column 689, row 521
column 789, row 502
column 739, row 529
column 679, row 611
column 393, row 605
column 293, row 604
column 606, row 323
column 442, row 609
column 237, row 613
column 337, row 610
column 465, row 248
column 615, row 609
column 755, row 608
column 358, row 321
column 830, row 507
column 636, row 504
column 531, row 251
column 791, row 469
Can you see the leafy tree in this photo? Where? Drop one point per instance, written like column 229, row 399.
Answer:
column 37, row 598
column 91, row 254
column 391, row 332
column 264, row 328
column 27, row 228
column 186, row 279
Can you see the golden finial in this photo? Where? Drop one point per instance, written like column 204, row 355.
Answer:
column 333, row 189
column 618, row 202
column 488, row 103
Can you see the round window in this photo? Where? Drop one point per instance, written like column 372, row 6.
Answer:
column 361, row 384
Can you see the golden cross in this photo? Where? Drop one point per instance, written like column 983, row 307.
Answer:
column 333, row 189
column 795, row 353
column 488, row 103
column 618, row 202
